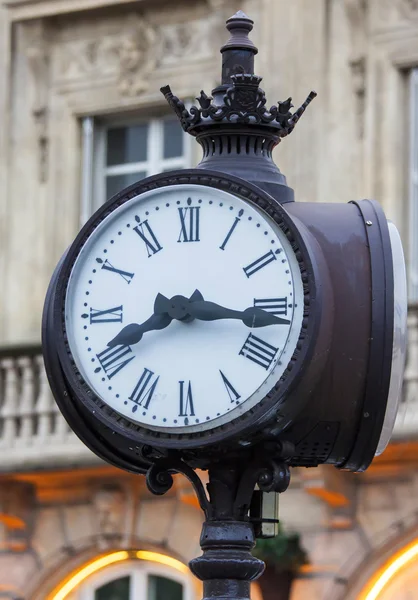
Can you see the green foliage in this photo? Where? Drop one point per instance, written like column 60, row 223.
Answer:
column 283, row 553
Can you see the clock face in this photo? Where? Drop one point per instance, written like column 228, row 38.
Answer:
column 184, row 308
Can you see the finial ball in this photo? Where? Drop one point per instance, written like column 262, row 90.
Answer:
column 239, row 21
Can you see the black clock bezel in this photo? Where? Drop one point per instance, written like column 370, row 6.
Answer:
column 256, row 417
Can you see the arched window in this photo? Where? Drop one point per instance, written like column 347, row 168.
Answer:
column 136, row 580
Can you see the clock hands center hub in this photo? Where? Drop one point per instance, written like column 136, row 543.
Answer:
column 178, row 307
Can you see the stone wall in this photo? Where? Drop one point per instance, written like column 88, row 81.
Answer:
column 58, row 522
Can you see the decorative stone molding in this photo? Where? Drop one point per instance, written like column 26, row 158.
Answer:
column 357, row 16
column 37, row 53
column 186, row 41
column 138, row 57
column 109, row 509
column 127, row 52
column 408, row 8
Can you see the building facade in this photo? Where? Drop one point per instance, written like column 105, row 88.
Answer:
column 81, row 117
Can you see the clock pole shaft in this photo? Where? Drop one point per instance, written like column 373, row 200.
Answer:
column 226, row 566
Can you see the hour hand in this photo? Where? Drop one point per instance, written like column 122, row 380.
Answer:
column 132, row 334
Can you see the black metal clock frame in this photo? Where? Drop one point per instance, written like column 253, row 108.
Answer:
column 250, row 423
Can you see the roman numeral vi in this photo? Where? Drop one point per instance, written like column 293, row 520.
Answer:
column 186, row 402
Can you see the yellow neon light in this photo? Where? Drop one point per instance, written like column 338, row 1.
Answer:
column 393, row 566
column 109, row 559
column 88, row 570
column 163, row 559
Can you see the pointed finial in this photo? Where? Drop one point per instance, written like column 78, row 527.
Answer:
column 240, row 26
column 238, row 53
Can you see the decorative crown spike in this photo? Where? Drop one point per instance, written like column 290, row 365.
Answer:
column 241, row 99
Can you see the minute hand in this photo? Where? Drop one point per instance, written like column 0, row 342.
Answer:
column 251, row 317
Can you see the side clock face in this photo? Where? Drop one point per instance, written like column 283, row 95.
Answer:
column 183, row 308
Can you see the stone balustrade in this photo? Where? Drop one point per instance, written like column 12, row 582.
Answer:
column 33, row 433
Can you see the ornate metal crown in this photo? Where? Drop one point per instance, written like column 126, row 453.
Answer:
column 243, row 101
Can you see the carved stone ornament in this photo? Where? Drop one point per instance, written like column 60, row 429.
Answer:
column 243, row 102
column 109, row 508
column 137, row 58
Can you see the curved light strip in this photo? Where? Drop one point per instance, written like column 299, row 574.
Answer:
column 88, row 570
column 100, row 563
column 392, row 567
column 163, row 559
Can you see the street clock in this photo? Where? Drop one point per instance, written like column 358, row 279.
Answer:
column 203, row 319
column 195, row 313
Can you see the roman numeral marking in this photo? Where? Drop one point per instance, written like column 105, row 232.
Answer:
column 258, row 351
column 189, row 221
column 147, row 235
column 186, row 402
column 232, row 393
column 112, row 360
column 259, row 263
column 144, row 390
column 110, row 315
column 230, row 232
column 275, row 306
column 107, row 266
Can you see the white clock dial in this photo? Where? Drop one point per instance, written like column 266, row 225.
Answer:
column 169, row 264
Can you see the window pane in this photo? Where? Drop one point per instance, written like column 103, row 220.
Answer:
column 116, row 183
column 161, row 588
column 115, row 590
column 173, row 139
column 127, row 144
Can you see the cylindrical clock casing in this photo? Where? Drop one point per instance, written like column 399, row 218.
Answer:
column 343, row 421
column 331, row 402
column 124, row 437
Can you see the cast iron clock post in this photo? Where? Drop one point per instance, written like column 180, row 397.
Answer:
column 203, row 319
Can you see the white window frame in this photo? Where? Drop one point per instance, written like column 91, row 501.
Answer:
column 95, row 170
column 413, row 189
column 138, row 571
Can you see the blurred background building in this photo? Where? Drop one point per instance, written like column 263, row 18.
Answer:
column 81, row 117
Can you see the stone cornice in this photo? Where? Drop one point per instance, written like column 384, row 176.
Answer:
column 21, row 10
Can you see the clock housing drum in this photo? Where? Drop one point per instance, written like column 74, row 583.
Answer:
column 179, row 315
column 195, row 314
